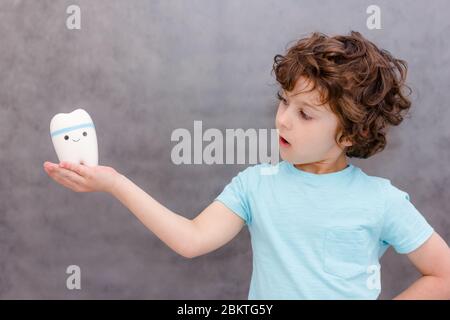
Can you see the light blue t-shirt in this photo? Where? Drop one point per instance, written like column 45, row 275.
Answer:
column 320, row 236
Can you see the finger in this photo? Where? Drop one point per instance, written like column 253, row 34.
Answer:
column 78, row 168
column 48, row 164
column 47, row 170
column 64, row 174
column 71, row 176
column 65, row 182
column 50, row 169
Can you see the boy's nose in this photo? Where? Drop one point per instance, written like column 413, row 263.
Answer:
column 284, row 121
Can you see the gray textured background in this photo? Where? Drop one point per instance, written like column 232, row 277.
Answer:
column 145, row 68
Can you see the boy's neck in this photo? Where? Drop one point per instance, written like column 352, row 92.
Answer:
column 324, row 166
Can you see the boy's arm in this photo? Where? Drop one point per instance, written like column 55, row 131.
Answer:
column 432, row 259
column 212, row 228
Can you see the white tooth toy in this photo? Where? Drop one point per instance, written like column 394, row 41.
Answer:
column 74, row 137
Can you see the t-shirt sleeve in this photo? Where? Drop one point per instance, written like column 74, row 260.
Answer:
column 404, row 227
column 235, row 195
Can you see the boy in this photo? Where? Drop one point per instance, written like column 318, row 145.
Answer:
column 319, row 225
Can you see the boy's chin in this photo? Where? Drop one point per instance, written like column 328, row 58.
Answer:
column 287, row 158
column 291, row 159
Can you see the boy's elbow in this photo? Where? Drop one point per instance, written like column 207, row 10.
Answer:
column 190, row 249
column 195, row 246
column 189, row 254
column 186, row 252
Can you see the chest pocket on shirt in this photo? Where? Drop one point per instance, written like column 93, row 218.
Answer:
column 346, row 252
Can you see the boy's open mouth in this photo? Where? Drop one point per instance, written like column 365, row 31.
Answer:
column 284, row 142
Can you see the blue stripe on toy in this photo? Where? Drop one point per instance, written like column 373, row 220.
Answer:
column 67, row 129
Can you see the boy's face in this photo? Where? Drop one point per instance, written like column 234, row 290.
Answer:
column 309, row 130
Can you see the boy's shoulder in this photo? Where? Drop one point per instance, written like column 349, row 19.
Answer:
column 388, row 190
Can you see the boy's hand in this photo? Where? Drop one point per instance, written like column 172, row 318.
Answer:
column 82, row 178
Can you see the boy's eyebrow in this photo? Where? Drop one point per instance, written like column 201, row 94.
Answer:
column 304, row 102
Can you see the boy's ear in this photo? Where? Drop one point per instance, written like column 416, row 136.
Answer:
column 344, row 141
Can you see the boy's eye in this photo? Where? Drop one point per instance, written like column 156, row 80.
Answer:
column 66, row 137
column 280, row 97
column 85, row 133
column 304, row 115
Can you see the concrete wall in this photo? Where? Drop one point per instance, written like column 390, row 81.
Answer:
column 143, row 69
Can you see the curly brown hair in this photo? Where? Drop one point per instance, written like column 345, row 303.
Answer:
column 362, row 84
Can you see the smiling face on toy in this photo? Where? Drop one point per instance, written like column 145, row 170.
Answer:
column 74, row 137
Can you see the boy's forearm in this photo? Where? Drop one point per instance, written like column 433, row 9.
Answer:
column 174, row 230
column 426, row 288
